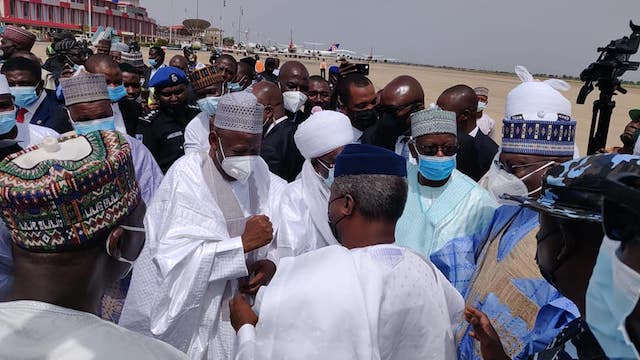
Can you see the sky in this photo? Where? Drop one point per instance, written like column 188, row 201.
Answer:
column 547, row 36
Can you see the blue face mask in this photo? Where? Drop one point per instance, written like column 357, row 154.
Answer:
column 613, row 292
column 234, row 87
column 329, row 180
column 436, row 168
column 7, row 121
column 76, row 67
column 24, row 95
column 85, row 127
column 209, row 105
column 117, row 93
column 153, row 62
column 59, row 94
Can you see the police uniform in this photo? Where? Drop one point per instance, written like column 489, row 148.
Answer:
column 161, row 131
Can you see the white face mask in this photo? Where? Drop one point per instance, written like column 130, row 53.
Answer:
column 614, row 290
column 481, row 106
column 500, row 182
column 294, row 100
column 238, row 167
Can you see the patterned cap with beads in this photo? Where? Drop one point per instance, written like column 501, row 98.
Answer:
column 205, row 77
column 56, row 196
column 239, row 111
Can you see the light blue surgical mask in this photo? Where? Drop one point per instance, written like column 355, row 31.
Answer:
column 59, row 94
column 117, row 93
column 329, row 180
column 85, row 127
column 7, row 121
column 436, row 168
column 613, row 292
column 209, row 105
column 76, row 67
column 24, row 95
column 153, row 62
column 234, row 87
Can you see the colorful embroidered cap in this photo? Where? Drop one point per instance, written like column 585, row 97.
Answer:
column 56, row 196
column 204, row 78
column 538, row 118
column 575, row 189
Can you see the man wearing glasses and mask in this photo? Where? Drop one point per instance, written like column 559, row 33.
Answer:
column 443, row 203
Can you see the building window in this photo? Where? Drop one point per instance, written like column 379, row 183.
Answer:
column 39, row 12
column 12, row 7
column 25, row 10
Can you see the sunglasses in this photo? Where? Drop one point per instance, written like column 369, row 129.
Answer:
column 432, row 150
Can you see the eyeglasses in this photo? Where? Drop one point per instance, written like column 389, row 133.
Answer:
column 326, row 165
column 432, row 150
column 511, row 168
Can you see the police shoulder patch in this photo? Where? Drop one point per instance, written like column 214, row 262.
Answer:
column 148, row 118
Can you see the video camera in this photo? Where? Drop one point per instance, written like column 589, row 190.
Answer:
column 612, row 63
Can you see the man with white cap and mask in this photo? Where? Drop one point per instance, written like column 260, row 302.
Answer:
column 206, row 220
column 497, row 273
column 304, row 225
column 443, row 203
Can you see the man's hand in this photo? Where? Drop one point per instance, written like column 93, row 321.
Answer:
column 263, row 271
column 241, row 312
column 258, row 232
column 490, row 345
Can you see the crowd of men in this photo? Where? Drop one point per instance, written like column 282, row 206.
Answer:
column 249, row 210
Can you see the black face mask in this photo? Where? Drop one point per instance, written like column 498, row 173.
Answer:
column 334, row 226
column 363, row 119
column 391, row 122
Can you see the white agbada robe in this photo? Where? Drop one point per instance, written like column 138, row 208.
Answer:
column 377, row 302
column 38, row 330
column 304, row 224
column 188, row 268
column 196, row 134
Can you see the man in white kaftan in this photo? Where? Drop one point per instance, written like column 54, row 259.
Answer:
column 364, row 299
column 302, row 211
column 197, row 243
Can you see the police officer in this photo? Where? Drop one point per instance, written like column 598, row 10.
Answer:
column 162, row 130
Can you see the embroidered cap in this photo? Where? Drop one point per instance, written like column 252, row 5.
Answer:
column 239, row 111
column 204, row 78
column 481, row 91
column 84, row 87
column 56, row 196
column 20, row 36
column 538, row 118
column 433, row 121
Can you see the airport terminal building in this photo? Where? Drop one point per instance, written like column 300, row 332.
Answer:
column 128, row 18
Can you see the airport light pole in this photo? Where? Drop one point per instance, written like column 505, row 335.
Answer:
column 90, row 11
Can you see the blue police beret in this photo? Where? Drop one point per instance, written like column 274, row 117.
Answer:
column 362, row 159
column 168, row 76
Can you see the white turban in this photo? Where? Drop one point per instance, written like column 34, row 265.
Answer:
column 323, row 132
column 537, row 100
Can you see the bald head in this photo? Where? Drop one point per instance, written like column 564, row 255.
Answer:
column 104, row 64
column 27, row 55
column 294, row 76
column 269, row 95
column 462, row 100
column 402, row 92
column 180, row 62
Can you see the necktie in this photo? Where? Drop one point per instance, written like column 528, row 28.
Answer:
column 20, row 115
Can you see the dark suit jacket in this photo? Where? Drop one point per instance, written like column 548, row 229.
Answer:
column 467, row 159
column 131, row 113
column 486, row 149
column 280, row 152
column 51, row 114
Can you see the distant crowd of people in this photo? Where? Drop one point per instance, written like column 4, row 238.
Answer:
column 250, row 210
